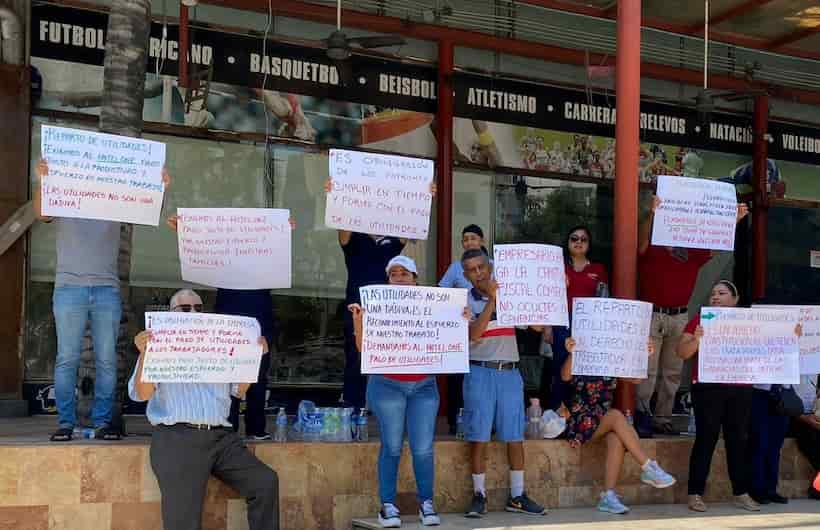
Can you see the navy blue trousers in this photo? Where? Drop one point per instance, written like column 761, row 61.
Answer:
column 767, row 435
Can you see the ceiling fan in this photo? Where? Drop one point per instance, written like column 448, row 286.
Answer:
column 339, row 46
column 705, row 98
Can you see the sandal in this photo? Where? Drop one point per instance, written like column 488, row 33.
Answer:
column 63, row 434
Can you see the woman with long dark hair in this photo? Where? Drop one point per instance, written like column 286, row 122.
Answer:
column 726, row 406
column 584, row 279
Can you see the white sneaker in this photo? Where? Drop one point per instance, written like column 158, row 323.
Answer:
column 389, row 516
column 428, row 515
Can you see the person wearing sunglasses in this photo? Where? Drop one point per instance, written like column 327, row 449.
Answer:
column 584, row 279
column 258, row 304
column 193, row 439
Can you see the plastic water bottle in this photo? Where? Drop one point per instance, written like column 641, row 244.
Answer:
column 281, row 432
column 460, row 424
column 690, row 428
column 630, row 420
column 85, row 432
column 362, row 427
column 345, row 425
column 534, row 413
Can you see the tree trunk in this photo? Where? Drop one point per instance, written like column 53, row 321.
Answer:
column 126, row 50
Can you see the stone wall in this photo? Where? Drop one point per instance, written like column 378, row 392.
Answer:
column 110, row 486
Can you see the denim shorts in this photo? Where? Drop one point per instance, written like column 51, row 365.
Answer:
column 493, row 398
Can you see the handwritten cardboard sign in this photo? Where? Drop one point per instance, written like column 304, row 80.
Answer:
column 750, row 346
column 532, row 285
column 235, row 248
column 611, row 337
column 201, row 348
column 414, row 330
column 380, row 194
column 101, row 176
column 695, row 213
column 810, row 340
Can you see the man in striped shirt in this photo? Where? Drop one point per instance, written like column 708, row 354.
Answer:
column 194, row 439
column 493, row 390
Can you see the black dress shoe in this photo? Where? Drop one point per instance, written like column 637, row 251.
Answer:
column 814, row 494
column 778, row 499
column 760, row 499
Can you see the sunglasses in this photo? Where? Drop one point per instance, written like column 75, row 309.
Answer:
column 578, row 239
column 187, row 308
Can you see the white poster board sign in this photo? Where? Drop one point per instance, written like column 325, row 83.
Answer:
column 235, row 248
column 201, row 348
column 695, row 213
column 810, row 340
column 611, row 337
column 414, row 330
column 749, row 346
column 532, row 285
column 379, row 194
column 94, row 175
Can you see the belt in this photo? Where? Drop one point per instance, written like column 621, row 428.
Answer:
column 496, row 365
column 671, row 311
column 202, row 426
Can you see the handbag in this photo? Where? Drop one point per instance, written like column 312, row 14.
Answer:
column 786, row 402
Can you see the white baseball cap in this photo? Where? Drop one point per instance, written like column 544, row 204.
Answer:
column 402, row 261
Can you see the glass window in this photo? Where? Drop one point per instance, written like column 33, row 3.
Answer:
column 209, row 173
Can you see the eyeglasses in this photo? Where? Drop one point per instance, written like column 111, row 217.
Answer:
column 187, row 308
column 578, row 239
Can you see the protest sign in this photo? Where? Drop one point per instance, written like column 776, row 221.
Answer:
column 379, row 194
column 810, row 339
column 201, row 348
column 532, row 285
column 611, row 337
column 414, row 330
column 101, row 176
column 235, row 248
column 748, row 346
column 695, row 213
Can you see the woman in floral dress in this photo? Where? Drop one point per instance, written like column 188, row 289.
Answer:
column 592, row 418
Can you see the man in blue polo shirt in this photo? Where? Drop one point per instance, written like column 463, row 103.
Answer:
column 493, row 390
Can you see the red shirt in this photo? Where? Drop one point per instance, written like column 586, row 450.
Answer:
column 690, row 328
column 667, row 281
column 584, row 283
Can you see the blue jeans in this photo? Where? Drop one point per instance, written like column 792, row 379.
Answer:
column 766, row 441
column 74, row 305
column 396, row 404
column 561, row 390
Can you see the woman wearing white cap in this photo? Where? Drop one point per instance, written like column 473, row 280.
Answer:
column 396, row 401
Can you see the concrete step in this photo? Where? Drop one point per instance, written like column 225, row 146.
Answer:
column 797, row 514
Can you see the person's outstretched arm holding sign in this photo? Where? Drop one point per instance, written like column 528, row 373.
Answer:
column 192, row 439
column 366, row 256
column 86, row 287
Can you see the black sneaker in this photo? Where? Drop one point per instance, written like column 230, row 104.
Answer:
column 523, row 504
column 478, row 507
column 259, row 437
column 813, row 493
column 778, row 499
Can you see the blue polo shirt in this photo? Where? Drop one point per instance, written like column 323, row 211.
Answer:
column 366, row 259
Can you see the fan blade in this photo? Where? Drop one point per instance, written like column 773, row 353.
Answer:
column 345, row 72
column 379, row 41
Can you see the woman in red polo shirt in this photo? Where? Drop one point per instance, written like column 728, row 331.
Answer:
column 716, row 406
column 584, row 279
column 396, row 401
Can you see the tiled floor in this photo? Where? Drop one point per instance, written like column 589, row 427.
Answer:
column 799, row 514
